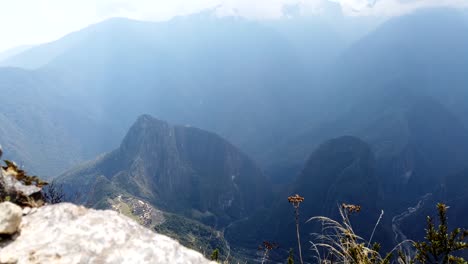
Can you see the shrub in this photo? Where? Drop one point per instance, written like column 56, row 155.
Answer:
column 441, row 246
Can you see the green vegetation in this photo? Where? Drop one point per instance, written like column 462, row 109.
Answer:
column 290, row 259
column 215, row 255
column 337, row 242
column 195, row 235
column 341, row 245
column 441, row 246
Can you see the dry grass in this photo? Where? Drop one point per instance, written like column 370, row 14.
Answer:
column 338, row 243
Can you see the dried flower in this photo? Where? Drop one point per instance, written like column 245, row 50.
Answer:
column 266, row 247
column 295, row 200
column 351, row 208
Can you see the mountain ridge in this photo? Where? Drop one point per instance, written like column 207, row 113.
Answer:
column 179, row 169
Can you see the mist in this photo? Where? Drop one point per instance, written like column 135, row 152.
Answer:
column 197, row 109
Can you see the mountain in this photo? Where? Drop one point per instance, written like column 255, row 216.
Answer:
column 423, row 51
column 341, row 170
column 400, row 89
column 223, row 74
column 42, row 127
column 275, row 93
column 4, row 55
column 30, row 129
column 405, row 61
column 229, row 75
column 178, row 169
column 416, row 140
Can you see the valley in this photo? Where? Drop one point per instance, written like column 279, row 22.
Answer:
column 200, row 127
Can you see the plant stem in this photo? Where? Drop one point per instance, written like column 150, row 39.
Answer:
column 265, row 256
column 298, row 236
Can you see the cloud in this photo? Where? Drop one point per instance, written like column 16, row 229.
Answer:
column 37, row 21
column 264, row 9
column 157, row 10
column 393, row 7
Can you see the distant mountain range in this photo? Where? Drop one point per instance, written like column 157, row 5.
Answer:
column 9, row 53
column 227, row 75
column 421, row 55
column 378, row 120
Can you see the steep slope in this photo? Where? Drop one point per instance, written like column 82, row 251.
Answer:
column 452, row 192
column 418, row 55
column 44, row 127
column 38, row 56
column 424, row 52
column 341, row 170
column 220, row 74
column 224, row 74
column 30, row 131
column 4, row 55
column 179, row 169
column 416, row 140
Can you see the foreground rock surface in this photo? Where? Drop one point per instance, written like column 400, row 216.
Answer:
column 66, row 233
column 10, row 218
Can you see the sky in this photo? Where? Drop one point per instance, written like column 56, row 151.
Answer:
column 30, row 22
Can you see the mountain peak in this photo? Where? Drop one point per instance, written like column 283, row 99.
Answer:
column 147, row 133
column 181, row 169
column 146, row 119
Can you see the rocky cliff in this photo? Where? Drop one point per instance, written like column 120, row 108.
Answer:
column 179, row 169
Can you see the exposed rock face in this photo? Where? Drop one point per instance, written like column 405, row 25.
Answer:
column 178, row 169
column 10, row 218
column 66, row 233
column 18, row 187
column 10, row 185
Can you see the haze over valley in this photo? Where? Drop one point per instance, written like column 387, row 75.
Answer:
column 200, row 125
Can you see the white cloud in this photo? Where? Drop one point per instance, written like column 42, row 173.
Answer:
column 393, row 7
column 155, row 10
column 37, row 21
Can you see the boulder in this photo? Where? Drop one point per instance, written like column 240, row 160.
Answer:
column 10, row 218
column 67, row 233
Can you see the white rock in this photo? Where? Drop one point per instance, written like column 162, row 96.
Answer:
column 10, row 218
column 66, row 233
column 11, row 184
column 26, row 210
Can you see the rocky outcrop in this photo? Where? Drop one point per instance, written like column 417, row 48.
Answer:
column 12, row 186
column 178, row 169
column 66, row 233
column 10, row 218
column 18, row 187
